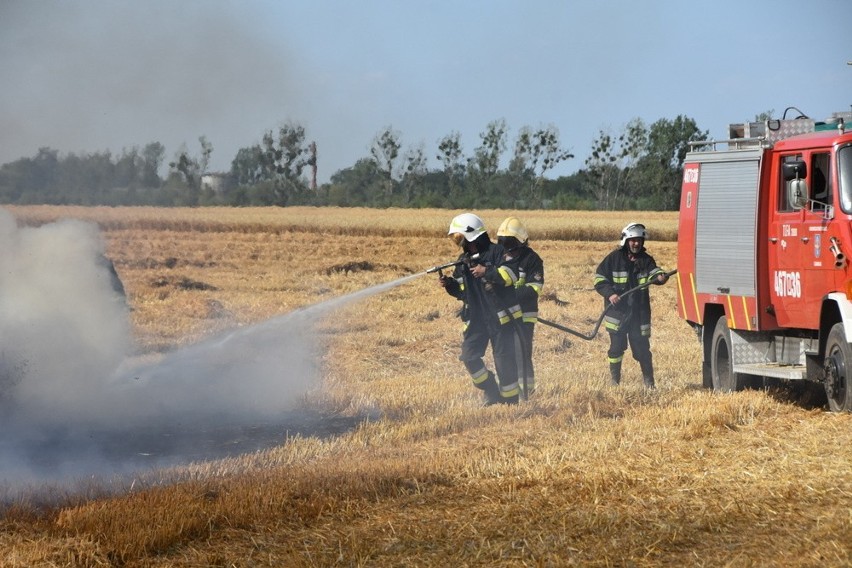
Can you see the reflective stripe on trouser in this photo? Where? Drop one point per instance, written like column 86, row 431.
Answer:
column 510, row 391
column 479, row 376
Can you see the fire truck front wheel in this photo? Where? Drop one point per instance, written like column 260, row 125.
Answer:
column 838, row 368
column 721, row 364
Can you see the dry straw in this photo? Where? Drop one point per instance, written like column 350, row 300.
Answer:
column 581, row 474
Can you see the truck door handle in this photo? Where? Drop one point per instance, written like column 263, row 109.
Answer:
column 805, row 239
column 773, row 239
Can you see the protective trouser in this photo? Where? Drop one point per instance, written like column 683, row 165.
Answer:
column 505, row 388
column 640, row 347
column 526, row 372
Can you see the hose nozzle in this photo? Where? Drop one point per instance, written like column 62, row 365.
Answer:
column 466, row 260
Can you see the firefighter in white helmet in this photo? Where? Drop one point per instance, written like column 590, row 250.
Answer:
column 487, row 291
column 628, row 320
column 529, row 267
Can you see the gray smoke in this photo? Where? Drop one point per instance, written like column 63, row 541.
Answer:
column 104, row 75
column 62, row 326
column 255, row 373
column 74, row 403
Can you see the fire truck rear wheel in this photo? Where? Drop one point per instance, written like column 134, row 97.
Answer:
column 721, row 364
column 838, row 368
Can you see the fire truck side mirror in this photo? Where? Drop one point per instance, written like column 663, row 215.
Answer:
column 795, row 169
column 797, row 193
column 794, row 172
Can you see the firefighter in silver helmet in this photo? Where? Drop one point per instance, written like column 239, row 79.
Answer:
column 487, row 291
column 527, row 264
column 628, row 320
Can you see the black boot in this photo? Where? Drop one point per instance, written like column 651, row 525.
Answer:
column 648, row 373
column 615, row 373
column 490, row 390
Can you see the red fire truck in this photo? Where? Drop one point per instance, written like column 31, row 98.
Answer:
column 764, row 233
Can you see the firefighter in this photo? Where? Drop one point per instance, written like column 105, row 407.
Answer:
column 487, row 291
column 529, row 267
column 628, row 320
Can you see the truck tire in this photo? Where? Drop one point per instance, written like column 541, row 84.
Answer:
column 838, row 370
column 721, row 363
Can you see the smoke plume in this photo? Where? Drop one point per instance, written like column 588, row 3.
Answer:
column 72, row 400
column 75, row 404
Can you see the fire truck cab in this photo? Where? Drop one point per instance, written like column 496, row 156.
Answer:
column 765, row 229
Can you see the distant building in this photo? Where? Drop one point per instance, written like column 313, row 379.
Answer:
column 217, row 181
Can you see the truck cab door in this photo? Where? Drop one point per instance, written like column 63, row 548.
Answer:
column 820, row 264
column 800, row 262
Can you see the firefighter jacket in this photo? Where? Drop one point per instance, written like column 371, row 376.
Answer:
column 619, row 272
column 491, row 297
column 529, row 267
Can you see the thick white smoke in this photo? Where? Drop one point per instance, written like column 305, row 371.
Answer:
column 63, row 327
column 73, row 403
column 72, row 400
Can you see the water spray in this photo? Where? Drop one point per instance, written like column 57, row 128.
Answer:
column 236, row 392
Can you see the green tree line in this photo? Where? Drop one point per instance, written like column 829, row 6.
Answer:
column 639, row 167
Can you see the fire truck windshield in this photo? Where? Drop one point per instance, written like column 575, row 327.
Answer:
column 844, row 176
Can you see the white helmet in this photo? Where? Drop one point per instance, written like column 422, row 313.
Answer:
column 633, row 231
column 467, row 226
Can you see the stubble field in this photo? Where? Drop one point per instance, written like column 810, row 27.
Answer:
column 580, row 474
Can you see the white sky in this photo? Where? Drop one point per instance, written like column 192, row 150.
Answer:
column 96, row 75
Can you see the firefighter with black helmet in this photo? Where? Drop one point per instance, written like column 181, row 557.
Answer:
column 529, row 267
column 487, row 290
column 628, row 320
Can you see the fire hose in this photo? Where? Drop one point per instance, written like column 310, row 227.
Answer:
column 594, row 332
column 467, row 259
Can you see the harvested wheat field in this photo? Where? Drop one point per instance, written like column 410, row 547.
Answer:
column 403, row 466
